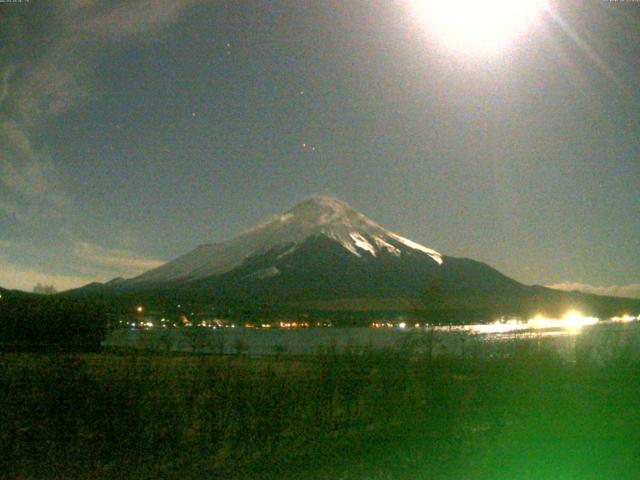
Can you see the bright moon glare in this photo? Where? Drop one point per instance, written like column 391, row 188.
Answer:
column 478, row 26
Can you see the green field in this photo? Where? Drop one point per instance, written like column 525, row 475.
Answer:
column 368, row 416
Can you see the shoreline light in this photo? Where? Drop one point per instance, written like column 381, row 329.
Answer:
column 572, row 320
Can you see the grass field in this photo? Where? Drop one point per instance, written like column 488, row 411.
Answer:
column 369, row 416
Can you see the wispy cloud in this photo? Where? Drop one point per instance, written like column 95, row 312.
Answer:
column 63, row 75
column 55, row 74
column 20, row 277
column 630, row 291
column 132, row 18
column 4, row 88
column 59, row 72
column 25, row 173
column 123, row 261
column 91, row 263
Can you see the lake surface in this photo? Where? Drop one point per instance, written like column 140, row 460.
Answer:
column 601, row 342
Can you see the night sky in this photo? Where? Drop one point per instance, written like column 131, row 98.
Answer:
column 132, row 131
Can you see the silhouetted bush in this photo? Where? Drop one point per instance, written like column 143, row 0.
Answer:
column 372, row 415
column 39, row 323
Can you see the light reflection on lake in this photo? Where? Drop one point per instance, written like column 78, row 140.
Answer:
column 569, row 337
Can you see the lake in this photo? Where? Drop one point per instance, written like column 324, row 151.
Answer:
column 600, row 342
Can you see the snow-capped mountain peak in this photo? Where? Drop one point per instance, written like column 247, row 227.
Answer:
column 316, row 216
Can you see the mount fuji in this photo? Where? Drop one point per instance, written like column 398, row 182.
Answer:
column 313, row 219
column 322, row 255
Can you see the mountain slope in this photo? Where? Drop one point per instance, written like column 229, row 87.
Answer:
column 324, row 255
column 321, row 251
column 319, row 216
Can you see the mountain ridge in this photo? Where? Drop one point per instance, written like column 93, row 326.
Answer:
column 322, row 254
column 314, row 216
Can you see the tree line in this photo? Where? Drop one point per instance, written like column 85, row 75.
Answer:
column 36, row 322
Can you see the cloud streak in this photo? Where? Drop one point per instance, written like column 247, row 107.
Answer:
column 4, row 89
column 629, row 291
column 23, row 170
column 63, row 74
column 92, row 263
column 123, row 261
column 56, row 73
column 21, row 277
column 133, row 18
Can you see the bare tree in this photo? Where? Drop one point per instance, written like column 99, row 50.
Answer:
column 44, row 289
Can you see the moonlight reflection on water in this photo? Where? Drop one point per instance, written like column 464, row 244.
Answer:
column 561, row 335
column 571, row 322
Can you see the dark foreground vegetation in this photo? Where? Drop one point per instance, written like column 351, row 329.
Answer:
column 39, row 323
column 371, row 416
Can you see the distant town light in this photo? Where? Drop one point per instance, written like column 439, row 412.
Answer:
column 572, row 320
column 624, row 318
column 139, row 309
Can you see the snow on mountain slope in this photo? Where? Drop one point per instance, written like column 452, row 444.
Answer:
column 323, row 216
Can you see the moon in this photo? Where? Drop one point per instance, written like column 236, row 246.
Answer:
column 478, row 27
